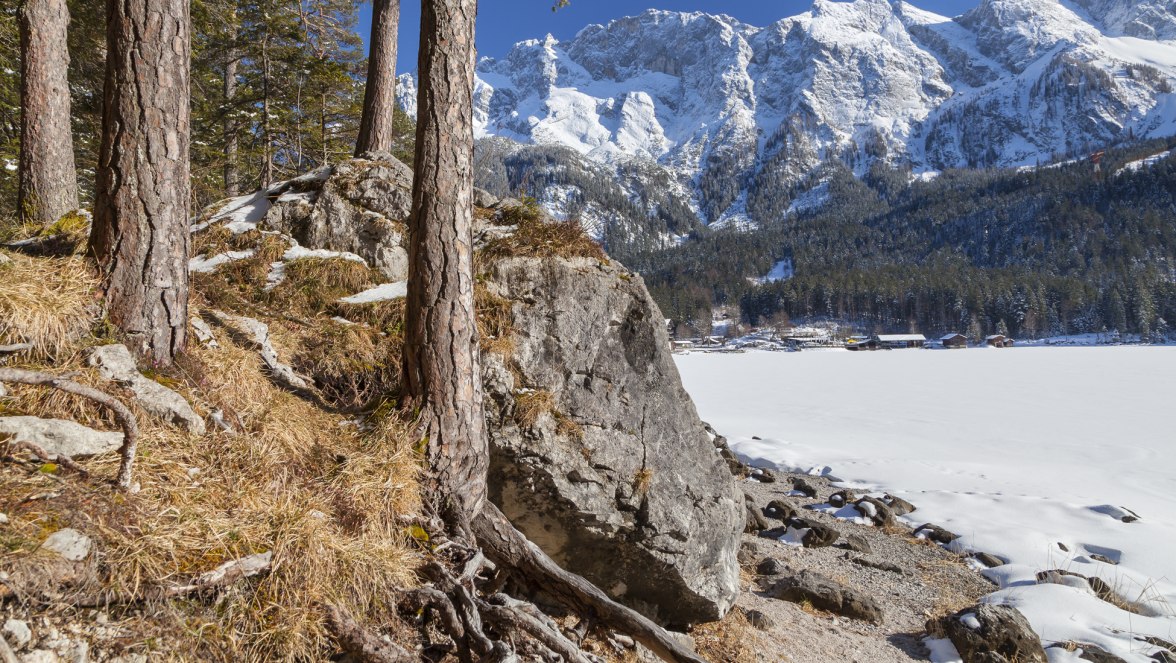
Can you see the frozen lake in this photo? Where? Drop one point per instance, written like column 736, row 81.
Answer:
column 1016, row 450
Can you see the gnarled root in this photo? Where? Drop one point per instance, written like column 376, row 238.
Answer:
column 122, row 414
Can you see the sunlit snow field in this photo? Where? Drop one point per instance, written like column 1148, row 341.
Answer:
column 1016, row 450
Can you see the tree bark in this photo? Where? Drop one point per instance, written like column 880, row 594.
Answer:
column 267, row 165
column 232, row 175
column 379, row 95
column 441, row 364
column 140, row 236
column 48, row 180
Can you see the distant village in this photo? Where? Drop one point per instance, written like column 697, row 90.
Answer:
column 727, row 334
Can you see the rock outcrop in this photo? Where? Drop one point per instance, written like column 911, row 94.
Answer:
column 619, row 480
column 597, row 452
column 359, row 208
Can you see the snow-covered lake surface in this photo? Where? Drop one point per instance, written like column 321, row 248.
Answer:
column 1016, row 450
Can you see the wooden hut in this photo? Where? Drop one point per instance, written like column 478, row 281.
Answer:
column 899, row 341
column 998, row 341
column 954, row 341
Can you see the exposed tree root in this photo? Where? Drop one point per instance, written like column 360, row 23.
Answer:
column 46, row 457
column 361, row 645
column 508, row 548
column 125, row 418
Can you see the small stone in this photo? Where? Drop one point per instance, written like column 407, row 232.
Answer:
column 763, row 475
column 69, row 544
column 1063, row 547
column 18, row 633
column 758, row 619
column 770, row 566
column 1095, row 556
column 935, row 533
column 876, row 510
column 841, row 498
column 40, row 656
column 899, row 506
column 61, row 436
column 817, row 536
column 3, row 519
column 826, row 594
column 780, row 509
column 858, row 543
column 102, row 619
column 991, row 561
column 755, row 521
column 805, row 487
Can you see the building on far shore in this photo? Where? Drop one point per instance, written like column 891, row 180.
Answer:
column 898, row 341
column 954, row 341
column 998, row 341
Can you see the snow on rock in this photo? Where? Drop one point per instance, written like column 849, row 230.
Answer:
column 1041, row 467
column 380, row 293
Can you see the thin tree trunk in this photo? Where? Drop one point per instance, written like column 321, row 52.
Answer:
column 441, row 364
column 140, row 236
column 232, row 175
column 267, row 166
column 48, row 179
column 323, row 130
column 379, row 95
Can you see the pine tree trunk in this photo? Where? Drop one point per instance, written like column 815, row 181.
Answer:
column 48, row 179
column 379, row 96
column 441, row 354
column 140, row 237
column 267, row 165
column 229, row 127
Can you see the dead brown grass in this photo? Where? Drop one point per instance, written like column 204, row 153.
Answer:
column 732, row 640
column 314, row 285
column 532, row 404
column 354, row 366
column 48, row 302
column 495, row 320
column 539, row 237
column 296, row 480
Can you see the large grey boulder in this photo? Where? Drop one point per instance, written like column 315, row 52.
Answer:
column 60, row 436
column 617, row 480
column 359, row 208
column 115, row 363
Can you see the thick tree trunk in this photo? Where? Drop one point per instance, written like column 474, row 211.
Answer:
column 229, row 126
column 379, row 95
column 441, row 354
column 48, row 179
column 140, row 237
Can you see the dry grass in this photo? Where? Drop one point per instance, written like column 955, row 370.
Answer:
column 530, row 405
column 732, row 640
column 48, row 302
column 298, row 481
column 642, row 481
column 315, row 285
column 354, row 366
column 539, row 237
column 495, row 320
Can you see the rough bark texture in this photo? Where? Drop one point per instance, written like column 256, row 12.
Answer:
column 140, row 237
column 440, row 351
column 379, row 95
column 232, row 176
column 48, row 179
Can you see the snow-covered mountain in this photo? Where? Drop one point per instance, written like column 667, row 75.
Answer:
column 740, row 117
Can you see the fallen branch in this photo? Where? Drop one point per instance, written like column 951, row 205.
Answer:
column 15, row 347
column 222, row 576
column 362, row 646
column 46, row 457
column 125, row 418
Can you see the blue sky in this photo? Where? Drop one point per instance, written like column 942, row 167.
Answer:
column 501, row 23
